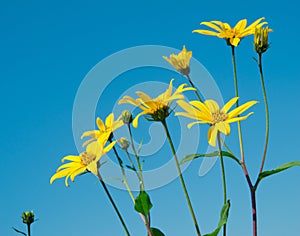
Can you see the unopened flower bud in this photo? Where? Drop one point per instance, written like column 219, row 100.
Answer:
column 124, row 143
column 126, row 117
column 261, row 37
column 28, row 217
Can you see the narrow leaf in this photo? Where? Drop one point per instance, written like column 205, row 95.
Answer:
column 18, row 231
column 213, row 154
column 156, row 232
column 267, row 173
column 131, row 167
column 223, row 219
column 143, row 203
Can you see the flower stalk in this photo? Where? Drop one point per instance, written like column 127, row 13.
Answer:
column 192, row 84
column 113, row 204
column 223, row 177
column 164, row 123
column 266, row 110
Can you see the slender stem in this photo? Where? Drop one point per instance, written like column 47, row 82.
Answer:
column 254, row 217
column 28, row 230
column 192, row 84
column 142, row 187
column 123, row 173
column 113, row 204
column 237, row 103
column 252, row 189
column 267, row 112
column 223, row 177
column 181, row 177
column 140, row 177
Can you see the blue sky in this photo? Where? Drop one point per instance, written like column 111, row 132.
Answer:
column 47, row 49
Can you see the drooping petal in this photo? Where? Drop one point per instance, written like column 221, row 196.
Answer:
column 212, row 135
column 60, row 174
column 135, row 120
column 194, row 123
column 93, row 168
column 223, row 127
column 77, row 172
column 69, row 165
column 239, row 118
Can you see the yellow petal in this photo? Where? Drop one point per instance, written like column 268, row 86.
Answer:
column 206, row 32
column 59, row 175
column 77, row 172
column 240, row 26
column 109, row 120
column 94, row 148
column 71, row 158
column 237, row 111
column 93, row 168
column 239, row 118
column 211, row 25
column 100, row 124
column 212, row 135
column 212, row 106
column 144, row 96
column 135, row 120
column 229, row 104
column 194, row 123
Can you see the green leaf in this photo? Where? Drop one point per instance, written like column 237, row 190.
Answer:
column 213, row 154
column 131, row 167
column 18, row 231
column 156, row 232
column 267, row 173
column 223, row 219
column 143, row 203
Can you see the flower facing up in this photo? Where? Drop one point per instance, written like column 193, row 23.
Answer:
column 210, row 113
column 233, row 35
column 261, row 38
column 104, row 129
column 86, row 161
column 181, row 61
column 157, row 108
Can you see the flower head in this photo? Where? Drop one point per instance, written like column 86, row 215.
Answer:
column 126, row 117
column 210, row 113
column 28, row 217
column 233, row 35
column 180, row 61
column 124, row 143
column 157, row 108
column 261, row 37
column 86, row 161
column 104, row 129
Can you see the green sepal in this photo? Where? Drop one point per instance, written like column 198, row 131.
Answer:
column 213, row 154
column 143, row 203
column 223, row 219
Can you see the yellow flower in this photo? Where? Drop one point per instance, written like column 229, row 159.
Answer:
column 210, row 113
column 87, row 160
column 180, row 61
column 104, row 129
column 233, row 35
column 261, row 37
column 157, row 108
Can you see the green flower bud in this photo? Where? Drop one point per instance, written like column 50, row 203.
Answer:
column 124, row 143
column 28, row 217
column 126, row 117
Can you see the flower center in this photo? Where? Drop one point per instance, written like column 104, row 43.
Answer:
column 87, row 158
column 218, row 116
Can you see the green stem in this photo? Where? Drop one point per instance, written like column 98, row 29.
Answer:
column 237, row 103
column 142, row 187
column 113, row 203
column 223, row 177
column 123, row 173
column 192, row 84
column 181, row 177
column 267, row 112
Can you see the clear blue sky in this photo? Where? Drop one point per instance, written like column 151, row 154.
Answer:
column 47, row 48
